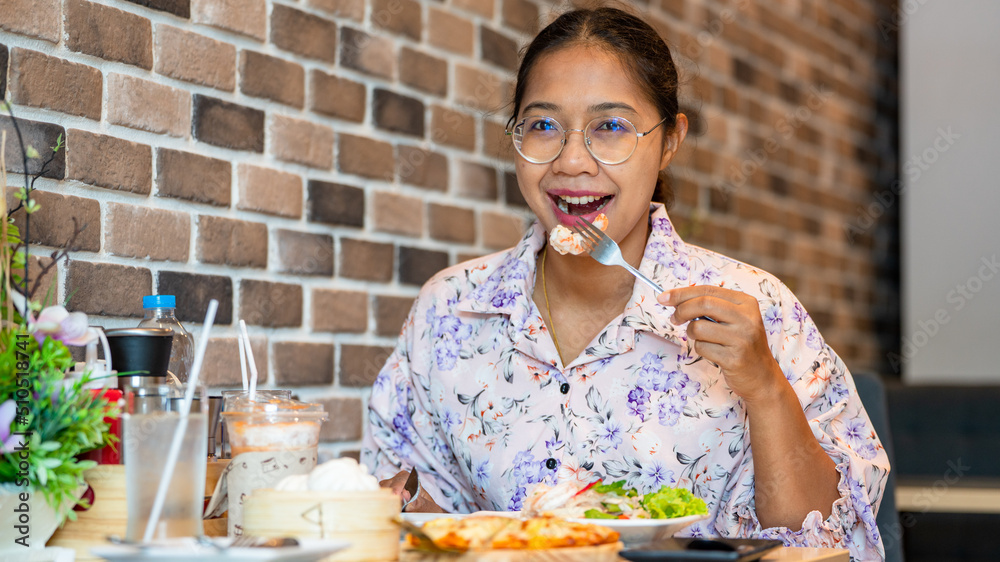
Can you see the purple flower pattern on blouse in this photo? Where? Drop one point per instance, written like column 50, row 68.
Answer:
column 476, row 397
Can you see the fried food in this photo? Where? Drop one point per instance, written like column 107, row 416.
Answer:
column 565, row 241
column 481, row 532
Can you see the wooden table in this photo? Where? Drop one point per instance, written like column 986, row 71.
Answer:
column 968, row 495
column 785, row 553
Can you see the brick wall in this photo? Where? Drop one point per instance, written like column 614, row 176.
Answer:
column 310, row 163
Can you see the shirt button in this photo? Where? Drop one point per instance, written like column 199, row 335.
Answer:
column 551, row 464
column 564, row 388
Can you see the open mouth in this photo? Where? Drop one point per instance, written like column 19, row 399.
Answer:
column 583, row 205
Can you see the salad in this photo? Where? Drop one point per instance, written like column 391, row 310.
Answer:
column 598, row 500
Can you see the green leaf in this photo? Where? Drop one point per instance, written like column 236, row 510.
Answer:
column 50, row 446
column 30, row 152
column 598, row 514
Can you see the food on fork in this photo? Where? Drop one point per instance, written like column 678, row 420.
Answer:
column 565, row 241
column 478, row 532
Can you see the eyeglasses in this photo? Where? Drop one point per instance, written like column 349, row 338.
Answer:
column 610, row 140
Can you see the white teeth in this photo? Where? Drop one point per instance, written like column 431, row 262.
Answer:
column 580, row 200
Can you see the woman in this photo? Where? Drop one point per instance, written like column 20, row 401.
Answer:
column 530, row 366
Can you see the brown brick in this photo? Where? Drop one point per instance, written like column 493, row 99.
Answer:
column 367, row 53
column 35, row 18
column 350, row 9
column 423, row 71
column 52, row 225
column 302, row 142
column 39, row 135
column 366, row 157
column 422, row 168
column 398, row 16
column 478, row 89
column 496, row 143
column 39, row 80
column 334, row 203
column 107, row 289
column 390, row 313
column 481, row 7
column 336, row 96
column 194, row 58
column 674, row 7
column 246, row 17
column 145, row 105
column 232, row 242
column 222, row 361
column 398, row 113
column 303, row 364
column 499, row 231
column 109, row 33
column 180, row 8
column 346, row 420
column 398, row 214
column 450, row 31
column 269, row 191
column 451, row 224
column 228, row 125
column 522, row 15
column 477, row 181
column 339, row 311
column 497, row 48
column 367, row 261
column 303, row 33
column 360, row 364
column 264, row 76
column 275, row 305
column 45, row 290
column 142, row 232
column 417, row 265
column 512, row 191
column 186, row 175
column 194, row 292
column 108, row 162
column 453, row 128
column 304, row 253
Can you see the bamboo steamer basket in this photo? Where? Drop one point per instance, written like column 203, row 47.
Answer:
column 107, row 516
column 363, row 519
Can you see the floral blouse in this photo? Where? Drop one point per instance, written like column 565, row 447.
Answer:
column 476, row 397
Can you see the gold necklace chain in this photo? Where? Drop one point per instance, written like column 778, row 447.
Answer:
column 545, row 291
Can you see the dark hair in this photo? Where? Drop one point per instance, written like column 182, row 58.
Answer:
column 638, row 46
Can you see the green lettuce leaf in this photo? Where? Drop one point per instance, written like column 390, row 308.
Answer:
column 668, row 503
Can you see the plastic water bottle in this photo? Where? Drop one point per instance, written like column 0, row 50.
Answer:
column 160, row 314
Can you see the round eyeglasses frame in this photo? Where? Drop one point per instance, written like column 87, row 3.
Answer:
column 586, row 139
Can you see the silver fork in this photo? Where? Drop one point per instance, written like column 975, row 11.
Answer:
column 604, row 249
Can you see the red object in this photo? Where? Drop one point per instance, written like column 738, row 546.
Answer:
column 109, row 453
column 589, row 486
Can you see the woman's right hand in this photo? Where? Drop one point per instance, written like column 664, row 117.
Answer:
column 423, row 502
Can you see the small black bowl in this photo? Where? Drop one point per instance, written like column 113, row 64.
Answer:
column 140, row 351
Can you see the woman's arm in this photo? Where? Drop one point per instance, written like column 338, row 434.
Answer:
column 793, row 475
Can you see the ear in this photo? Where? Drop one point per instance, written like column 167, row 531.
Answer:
column 674, row 139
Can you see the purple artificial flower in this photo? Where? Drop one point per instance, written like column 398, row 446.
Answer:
column 8, row 411
column 61, row 325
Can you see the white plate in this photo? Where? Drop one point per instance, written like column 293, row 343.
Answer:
column 188, row 550
column 637, row 531
column 421, row 518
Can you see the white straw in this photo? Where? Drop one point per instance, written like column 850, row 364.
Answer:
column 175, row 444
column 250, row 359
column 243, row 360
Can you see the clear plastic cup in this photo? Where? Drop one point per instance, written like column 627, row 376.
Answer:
column 274, row 425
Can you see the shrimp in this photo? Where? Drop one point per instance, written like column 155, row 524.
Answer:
column 565, row 241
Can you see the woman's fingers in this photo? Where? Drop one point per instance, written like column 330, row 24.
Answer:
column 396, row 484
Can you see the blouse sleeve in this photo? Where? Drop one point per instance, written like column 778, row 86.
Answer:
column 403, row 431
column 839, row 421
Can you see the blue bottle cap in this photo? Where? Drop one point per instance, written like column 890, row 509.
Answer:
column 159, row 301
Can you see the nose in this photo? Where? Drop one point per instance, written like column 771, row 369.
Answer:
column 575, row 158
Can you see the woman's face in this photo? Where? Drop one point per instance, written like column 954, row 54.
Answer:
column 574, row 85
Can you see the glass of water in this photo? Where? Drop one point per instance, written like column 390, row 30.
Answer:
column 152, row 416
